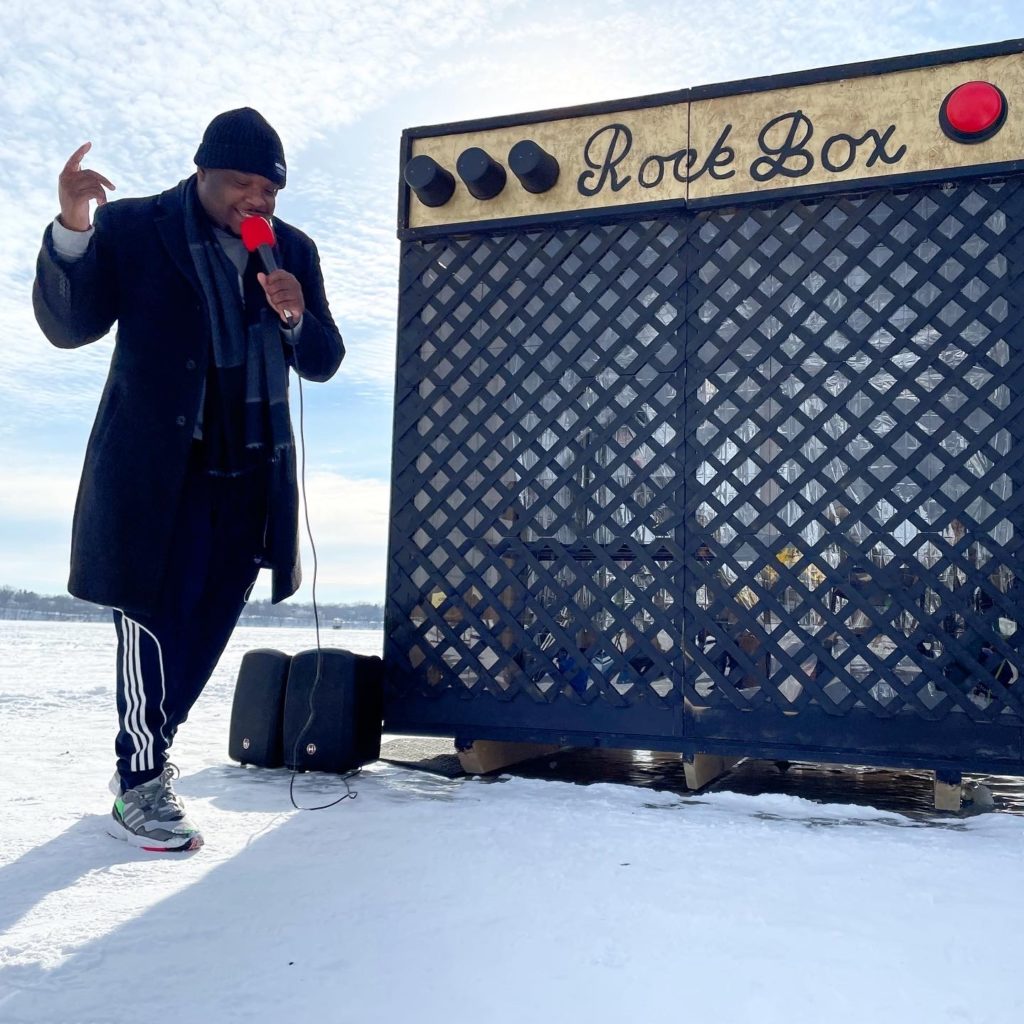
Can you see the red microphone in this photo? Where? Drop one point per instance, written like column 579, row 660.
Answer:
column 258, row 237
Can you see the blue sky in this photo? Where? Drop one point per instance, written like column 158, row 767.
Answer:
column 339, row 80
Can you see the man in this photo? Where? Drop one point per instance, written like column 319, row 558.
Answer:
column 189, row 482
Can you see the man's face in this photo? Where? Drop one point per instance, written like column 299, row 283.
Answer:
column 228, row 197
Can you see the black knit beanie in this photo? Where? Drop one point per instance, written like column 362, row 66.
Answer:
column 243, row 140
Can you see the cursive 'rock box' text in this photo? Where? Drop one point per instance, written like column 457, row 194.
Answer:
column 786, row 146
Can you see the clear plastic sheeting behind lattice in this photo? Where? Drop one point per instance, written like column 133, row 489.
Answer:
column 761, row 461
column 851, row 419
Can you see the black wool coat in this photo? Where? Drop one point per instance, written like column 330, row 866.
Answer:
column 138, row 272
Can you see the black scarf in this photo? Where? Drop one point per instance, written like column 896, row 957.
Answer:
column 246, row 426
column 245, row 421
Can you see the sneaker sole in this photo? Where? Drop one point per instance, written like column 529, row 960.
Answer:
column 187, row 844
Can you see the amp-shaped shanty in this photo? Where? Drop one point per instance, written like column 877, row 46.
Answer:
column 708, row 421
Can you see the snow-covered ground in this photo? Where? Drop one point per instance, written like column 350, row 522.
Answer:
column 430, row 900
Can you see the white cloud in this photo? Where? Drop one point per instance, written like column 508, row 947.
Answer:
column 345, row 510
column 34, row 495
column 348, row 517
column 36, row 506
column 38, row 563
column 141, row 84
column 359, row 259
column 349, row 521
column 340, row 80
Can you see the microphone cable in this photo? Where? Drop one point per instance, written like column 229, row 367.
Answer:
column 350, row 793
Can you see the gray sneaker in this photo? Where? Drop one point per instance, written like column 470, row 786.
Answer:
column 152, row 817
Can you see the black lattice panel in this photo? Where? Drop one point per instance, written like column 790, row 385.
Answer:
column 761, row 459
column 853, row 418
column 538, row 472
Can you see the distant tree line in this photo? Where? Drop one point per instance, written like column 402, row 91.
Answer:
column 25, row 604
column 356, row 616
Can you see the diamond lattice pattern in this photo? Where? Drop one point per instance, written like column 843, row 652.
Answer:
column 760, row 459
column 853, row 389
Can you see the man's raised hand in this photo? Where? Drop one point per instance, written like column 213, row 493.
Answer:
column 76, row 187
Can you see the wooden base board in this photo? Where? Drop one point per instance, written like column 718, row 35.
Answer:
column 705, row 768
column 486, row 756
column 949, row 796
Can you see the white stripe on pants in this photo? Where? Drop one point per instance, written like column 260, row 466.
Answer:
column 133, row 633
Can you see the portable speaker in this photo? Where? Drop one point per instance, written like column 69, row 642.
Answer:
column 347, row 706
column 257, row 712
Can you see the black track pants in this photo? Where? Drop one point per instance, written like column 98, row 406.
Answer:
column 166, row 656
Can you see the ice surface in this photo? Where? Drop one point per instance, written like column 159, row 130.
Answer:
column 431, row 900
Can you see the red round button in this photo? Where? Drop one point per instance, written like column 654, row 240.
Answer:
column 973, row 112
column 974, row 107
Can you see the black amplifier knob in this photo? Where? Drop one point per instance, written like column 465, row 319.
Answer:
column 483, row 175
column 536, row 169
column 432, row 184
